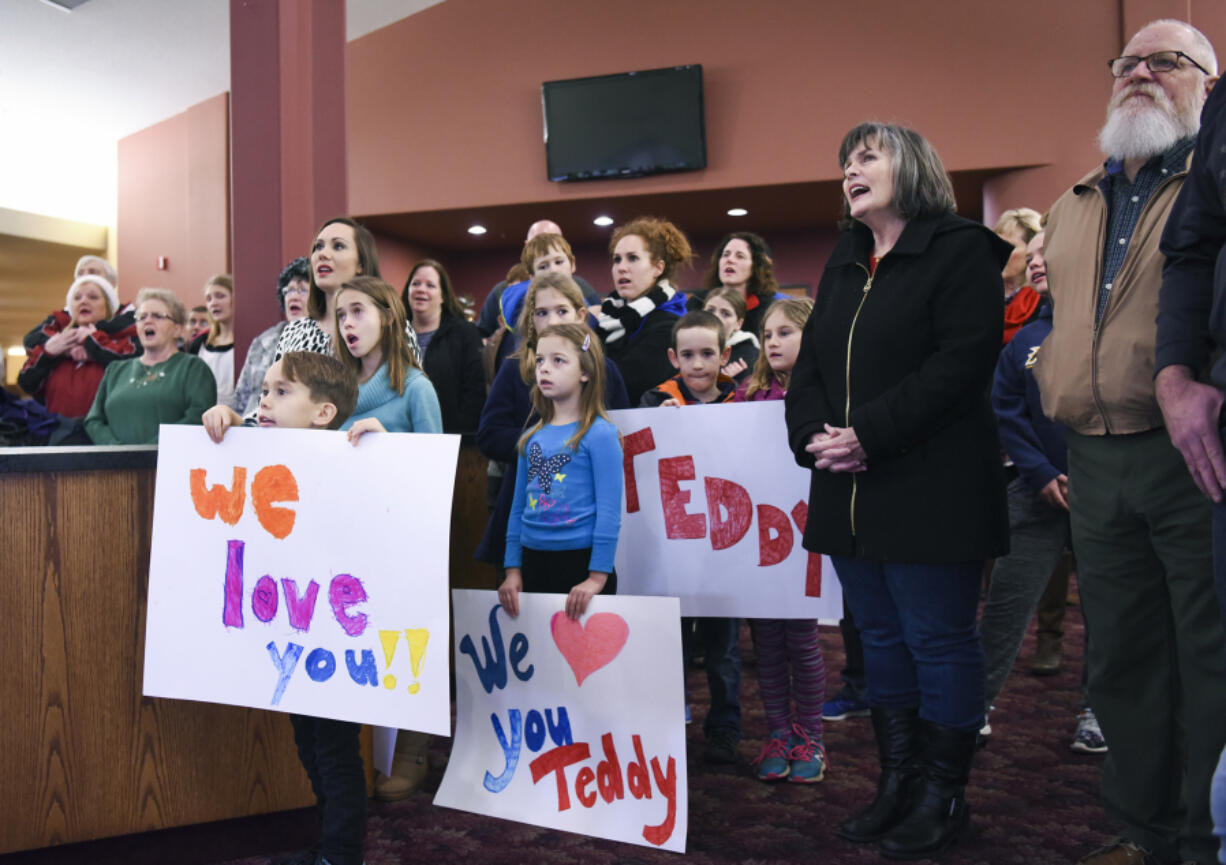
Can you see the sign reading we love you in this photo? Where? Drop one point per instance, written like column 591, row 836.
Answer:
column 293, row 571
column 571, row 725
column 714, row 512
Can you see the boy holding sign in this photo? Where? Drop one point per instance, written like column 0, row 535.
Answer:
column 698, row 353
column 305, row 390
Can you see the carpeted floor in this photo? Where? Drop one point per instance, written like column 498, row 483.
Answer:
column 1033, row 800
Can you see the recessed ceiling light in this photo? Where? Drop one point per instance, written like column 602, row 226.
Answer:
column 16, row 351
column 738, row 211
column 476, row 229
column 602, row 221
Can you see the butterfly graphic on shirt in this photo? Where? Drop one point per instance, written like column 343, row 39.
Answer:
column 545, row 468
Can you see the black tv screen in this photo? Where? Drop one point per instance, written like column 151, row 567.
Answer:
column 625, row 125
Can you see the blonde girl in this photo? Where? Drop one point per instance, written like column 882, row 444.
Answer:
column 566, row 511
column 551, row 298
column 791, row 669
column 773, row 368
column 216, row 345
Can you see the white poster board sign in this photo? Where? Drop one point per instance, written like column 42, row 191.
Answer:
column 714, row 512
column 572, row 725
column 293, row 571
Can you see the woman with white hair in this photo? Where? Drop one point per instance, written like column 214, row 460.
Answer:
column 68, row 353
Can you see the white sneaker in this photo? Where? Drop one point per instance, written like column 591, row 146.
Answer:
column 1089, row 736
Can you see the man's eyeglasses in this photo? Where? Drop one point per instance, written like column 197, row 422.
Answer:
column 152, row 316
column 1159, row 62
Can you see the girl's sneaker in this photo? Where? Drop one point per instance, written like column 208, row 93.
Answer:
column 774, row 761
column 808, row 757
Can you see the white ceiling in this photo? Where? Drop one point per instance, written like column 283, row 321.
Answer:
column 73, row 84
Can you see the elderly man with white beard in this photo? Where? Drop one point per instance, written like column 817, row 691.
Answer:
column 1141, row 528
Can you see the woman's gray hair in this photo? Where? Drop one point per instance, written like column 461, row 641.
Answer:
column 921, row 184
column 178, row 312
column 108, row 269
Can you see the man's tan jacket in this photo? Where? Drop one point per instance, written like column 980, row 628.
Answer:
column 1098, row 380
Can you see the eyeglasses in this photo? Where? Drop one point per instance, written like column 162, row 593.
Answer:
column 297, row 289
column 152, row 316
column 1158, row 63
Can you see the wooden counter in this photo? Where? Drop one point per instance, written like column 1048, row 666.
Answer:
column 84, row 755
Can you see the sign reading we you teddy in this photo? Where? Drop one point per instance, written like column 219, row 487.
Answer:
column 293, row 571
column 573, row 725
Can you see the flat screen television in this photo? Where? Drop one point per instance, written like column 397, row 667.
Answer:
column 625, row 125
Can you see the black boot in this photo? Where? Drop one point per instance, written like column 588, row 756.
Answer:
column 896, row 731
column 938, row 811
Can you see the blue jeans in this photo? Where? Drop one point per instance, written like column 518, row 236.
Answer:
column 921, row 641
column 722, row 648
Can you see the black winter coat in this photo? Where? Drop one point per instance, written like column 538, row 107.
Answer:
column 906, row 359
column 453, row 363
column 1192, row 302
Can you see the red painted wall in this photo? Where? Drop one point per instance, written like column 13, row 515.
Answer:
column 444, row 106
column 443, row 111
column 174, row 201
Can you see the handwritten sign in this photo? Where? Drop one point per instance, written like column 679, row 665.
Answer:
column 714, row 512
column 572, row 725
column 292, row 571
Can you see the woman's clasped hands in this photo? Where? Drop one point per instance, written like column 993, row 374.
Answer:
column 837, row 450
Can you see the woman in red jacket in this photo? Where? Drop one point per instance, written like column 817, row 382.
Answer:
column 68, row 353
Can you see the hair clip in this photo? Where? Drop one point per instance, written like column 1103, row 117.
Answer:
column 587, row 341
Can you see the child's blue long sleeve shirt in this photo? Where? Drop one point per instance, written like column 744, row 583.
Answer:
column 568, row 500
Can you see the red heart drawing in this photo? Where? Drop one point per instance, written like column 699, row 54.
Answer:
column 589, row 646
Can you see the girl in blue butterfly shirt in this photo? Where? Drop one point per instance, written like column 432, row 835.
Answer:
column 562, row 534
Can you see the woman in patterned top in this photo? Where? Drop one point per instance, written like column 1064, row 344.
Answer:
column 342, row 250
column 293, row 287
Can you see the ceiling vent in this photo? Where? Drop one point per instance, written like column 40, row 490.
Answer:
column 65, row 5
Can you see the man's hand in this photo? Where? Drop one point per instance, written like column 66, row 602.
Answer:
column 1190, row 410
column 1056, row 492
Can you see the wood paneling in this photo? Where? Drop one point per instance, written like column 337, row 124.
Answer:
column 85, row 755
column 468, row 518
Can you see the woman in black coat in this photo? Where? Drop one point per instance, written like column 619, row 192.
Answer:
column 888, row 405
column 450, row 345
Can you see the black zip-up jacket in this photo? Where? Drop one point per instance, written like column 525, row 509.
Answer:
column 919, row 362
column 453, row 364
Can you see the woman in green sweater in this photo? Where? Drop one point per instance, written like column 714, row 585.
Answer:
column 162, row 385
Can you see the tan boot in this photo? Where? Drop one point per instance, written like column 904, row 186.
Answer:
column 1048, row 655
column 410, row 764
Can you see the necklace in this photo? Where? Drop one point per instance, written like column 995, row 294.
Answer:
column 150, row 375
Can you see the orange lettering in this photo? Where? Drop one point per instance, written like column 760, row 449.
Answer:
column 217, row 501
column 274, row 484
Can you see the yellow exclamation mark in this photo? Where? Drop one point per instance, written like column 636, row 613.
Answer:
column 389, row 640
column 418, row 637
